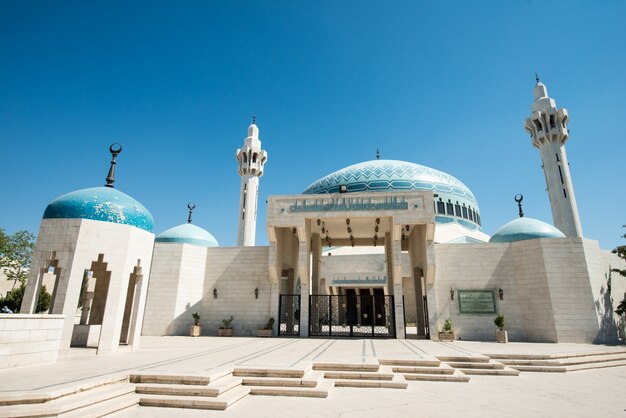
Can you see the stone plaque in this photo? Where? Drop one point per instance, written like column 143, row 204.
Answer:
column 477, row 301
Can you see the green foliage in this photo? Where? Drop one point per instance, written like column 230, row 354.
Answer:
column 621, row 253
column 227, row 323
column 270, row 324
column 447, row 325
column 499, row 321
column 15, row 254
column 196, row 318
column 13, row 299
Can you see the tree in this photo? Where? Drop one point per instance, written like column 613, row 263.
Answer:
column 621, row 253
column 16, row 252
column 13, row 300
column 15, row 255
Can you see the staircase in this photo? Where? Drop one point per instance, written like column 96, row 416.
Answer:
column 425, row 370
column 283, row 382
column 361, row 375
column 478, row 365
column 189, row 391
column 93, row 400
column 561, row 363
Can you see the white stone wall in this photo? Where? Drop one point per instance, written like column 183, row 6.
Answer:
column 29, row 339
column 176, row 286
column 183, row 280
column 235, row 272
column 555, row 290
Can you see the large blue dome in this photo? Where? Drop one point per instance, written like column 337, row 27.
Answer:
column 454, row 201
column 189, row 234
column 521, row 229
column 100, row 204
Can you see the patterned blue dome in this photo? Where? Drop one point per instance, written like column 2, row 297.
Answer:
column 100, row 204
column 522, row 229
column 454, row 201
column 188, row 234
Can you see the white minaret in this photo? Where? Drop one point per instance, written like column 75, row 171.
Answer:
column 547, row 127
column 251, row 161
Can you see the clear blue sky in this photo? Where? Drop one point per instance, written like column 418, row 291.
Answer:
column 443, row 84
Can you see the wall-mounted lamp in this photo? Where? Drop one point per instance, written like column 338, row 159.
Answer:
column 452, row 293
column 501, row 293
column 256, row 292
column 214, row 293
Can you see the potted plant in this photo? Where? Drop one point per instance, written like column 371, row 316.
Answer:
column 501, row 334
column 195, row 328
column 226, row 329
column 446, row 333
column 266, row 331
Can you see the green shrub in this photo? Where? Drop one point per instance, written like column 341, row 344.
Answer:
column 499, row 321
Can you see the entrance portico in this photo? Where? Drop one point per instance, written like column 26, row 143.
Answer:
column 399, row 226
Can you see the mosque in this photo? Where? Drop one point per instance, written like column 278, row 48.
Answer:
column 380, row 249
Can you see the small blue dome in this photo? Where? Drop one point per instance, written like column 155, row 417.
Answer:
column 189, row 234
column 522, row 229
column 100, row 204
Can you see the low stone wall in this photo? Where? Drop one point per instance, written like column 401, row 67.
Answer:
column 29, row 339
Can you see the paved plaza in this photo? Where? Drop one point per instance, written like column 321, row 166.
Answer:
column 598, row 392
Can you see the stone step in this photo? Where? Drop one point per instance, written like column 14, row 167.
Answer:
column 358, row 375
column 20, row 398
column 347, row 367
column 465, row 359
column 395, row 384
column 520, row 362
column 410, row 362
column 273, row 381
column 170, row 379
column 471, row 365
column 567, row 361
column 195, row 402
column 320, row 391
column 456, row 377
column 490, row 372
column 443, row 369
column 213, row 390
column 69, row 403
column 543, row 369
column 589, row 366
column 104, row 408
column 556, row 356
column 268, row 372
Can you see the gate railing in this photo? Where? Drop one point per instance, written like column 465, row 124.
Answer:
column 352, row 316
column 289, row 315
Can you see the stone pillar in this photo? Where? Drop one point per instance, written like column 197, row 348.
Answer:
column 316, row 250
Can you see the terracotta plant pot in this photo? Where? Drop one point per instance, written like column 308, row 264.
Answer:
column 195, row 330
column 446, row 336
column 264, row 333
column 502, row 336
column 225, row 332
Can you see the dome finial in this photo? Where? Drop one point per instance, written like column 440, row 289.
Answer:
column 518, row 199
column 114, row 153
column 254, row 119
column 377, row 154
column 537, row 77
column 191, row 207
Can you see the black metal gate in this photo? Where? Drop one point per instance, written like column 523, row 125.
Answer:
column 289, row 319
column 369, row 316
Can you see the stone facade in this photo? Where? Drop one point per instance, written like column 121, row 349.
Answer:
column 29, row 339
column 183, row 279
column 554, row 290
